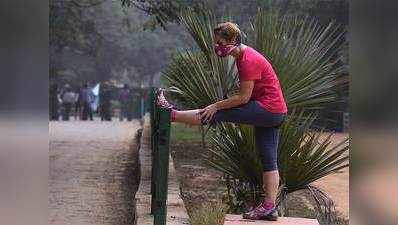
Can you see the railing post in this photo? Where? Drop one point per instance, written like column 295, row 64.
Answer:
column 153, row 110
column 161, row 176
column 160, row 141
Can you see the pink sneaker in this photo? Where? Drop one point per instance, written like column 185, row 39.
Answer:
column 162, row 101
column 260, row 213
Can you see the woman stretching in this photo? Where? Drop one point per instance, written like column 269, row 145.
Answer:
column 260, row 102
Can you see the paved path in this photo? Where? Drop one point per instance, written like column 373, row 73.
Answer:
column 237, row 220
column 176, row 212
column 93, row 172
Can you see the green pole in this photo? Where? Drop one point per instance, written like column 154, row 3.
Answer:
column 162, row 172
column 153, row 112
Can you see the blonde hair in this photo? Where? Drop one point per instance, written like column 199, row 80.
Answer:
column 228, row 31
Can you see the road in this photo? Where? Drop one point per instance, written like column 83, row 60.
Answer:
column 93, row 174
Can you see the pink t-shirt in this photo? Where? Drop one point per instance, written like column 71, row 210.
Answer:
column 267, row 90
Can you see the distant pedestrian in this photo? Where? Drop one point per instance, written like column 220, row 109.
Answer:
column 105, row 102
column 78, row 104
column 87, row 97
column 124, row 99
column 68, row 99
column 54, row 102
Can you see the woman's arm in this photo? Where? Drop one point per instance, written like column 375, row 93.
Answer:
column 245, row 91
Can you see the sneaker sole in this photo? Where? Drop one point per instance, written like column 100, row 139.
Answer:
column 268, row 218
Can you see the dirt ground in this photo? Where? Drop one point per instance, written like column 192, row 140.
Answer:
column 200, row 183
column 337, row 185
column 93, row 172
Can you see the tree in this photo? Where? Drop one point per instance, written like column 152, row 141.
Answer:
column 70, row 30
column 162, row 12
column 101, row 40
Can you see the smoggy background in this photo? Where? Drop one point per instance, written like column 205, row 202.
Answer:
column 24, row 112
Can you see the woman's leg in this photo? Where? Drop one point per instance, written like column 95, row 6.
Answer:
column 249, row 113
column 240, row 114
column 243, row 114
column 267, row 144
column 191, row 117
column 267, row 139
column 271, row 185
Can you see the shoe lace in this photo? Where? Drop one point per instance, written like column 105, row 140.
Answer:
column 259, row 208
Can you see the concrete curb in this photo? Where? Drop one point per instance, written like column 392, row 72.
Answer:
column 237, row 220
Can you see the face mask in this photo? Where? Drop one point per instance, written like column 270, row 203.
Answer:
column 222, row 50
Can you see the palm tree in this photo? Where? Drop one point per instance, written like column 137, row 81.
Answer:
column 305, row 58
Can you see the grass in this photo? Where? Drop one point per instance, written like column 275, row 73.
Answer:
column 181, row 132
column 208, row 214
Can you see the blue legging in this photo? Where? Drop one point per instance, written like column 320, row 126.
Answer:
column 266, row 126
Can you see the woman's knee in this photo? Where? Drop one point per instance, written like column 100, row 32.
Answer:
column 270, row 165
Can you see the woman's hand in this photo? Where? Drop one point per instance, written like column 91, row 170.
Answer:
column 208, row 112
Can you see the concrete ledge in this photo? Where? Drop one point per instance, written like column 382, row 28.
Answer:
column 237, row 220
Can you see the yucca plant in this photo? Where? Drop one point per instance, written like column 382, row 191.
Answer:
column 304, row 57
column 304, row 54
column 304, row 157
column 233, row 153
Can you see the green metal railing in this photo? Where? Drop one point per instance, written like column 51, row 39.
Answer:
column 160, row 141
